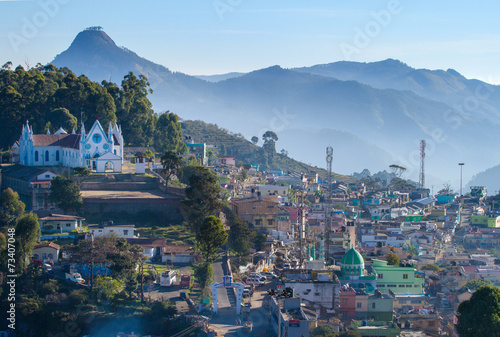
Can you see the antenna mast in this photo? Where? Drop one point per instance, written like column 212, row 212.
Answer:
column 422, row 164
column 328, row 219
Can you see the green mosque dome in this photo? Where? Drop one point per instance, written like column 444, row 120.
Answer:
column 352, row 257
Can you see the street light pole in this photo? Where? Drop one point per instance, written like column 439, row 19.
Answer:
column 461, row 166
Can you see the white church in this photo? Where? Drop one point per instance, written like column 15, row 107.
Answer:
column 97, row 151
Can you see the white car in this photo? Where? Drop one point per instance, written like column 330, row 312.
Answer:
column 269, row 274
column 254, row 281
column 258, row 275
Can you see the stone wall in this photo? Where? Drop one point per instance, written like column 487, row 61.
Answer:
column 167, row 208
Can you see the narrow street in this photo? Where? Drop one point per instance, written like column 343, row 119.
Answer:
column 225, row 322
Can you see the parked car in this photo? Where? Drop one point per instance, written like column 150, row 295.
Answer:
column 269, row 274
column 254, row 281
column 259, row 275
column 75, row 277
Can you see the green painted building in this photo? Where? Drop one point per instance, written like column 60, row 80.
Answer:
column 412, row 218
column 402, row 279
column 485, row 221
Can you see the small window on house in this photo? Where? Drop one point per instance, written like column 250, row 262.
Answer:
column 47, row 176
column 380, row 275
column 344, row 301
column 317, row 294
column 431, row 323
column 358, row 305
column 405, row 276
column 68, row 225
column 36, row 155
column 401, row 286
column 373, row 305
column 408, row 286
column 125, row 232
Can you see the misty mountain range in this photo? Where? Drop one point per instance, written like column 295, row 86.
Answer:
column 372, row 114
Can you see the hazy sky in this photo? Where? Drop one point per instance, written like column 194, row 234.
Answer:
column 219, row 36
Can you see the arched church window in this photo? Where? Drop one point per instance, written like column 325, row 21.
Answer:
column 57, row 155
column 36, row 155
column 47, row 155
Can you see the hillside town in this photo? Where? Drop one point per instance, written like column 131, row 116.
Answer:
column 290, row 253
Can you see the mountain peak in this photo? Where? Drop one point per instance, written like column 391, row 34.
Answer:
column 92, row 37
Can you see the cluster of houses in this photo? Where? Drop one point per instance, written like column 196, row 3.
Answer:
column 359, row 288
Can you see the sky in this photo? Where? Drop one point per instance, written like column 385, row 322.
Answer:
column 220, row 36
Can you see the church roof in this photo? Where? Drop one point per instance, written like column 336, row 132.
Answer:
column 115, row 140
column 62, row 140
column 352, row 257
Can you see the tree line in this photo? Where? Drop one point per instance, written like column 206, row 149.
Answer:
column 50, row 97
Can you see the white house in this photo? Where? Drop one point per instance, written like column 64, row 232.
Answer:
column 96, row 150
column 123, row 231
column 60, row 223
column 275, row 190
column 178, row 254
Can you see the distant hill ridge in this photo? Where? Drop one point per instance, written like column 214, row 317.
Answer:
column 387, row 106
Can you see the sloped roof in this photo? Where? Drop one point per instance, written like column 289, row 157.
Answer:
column 109, row 156
column 115, row 140
column 50, row 244
column 23, row 172
column 178, row 249
column 71, row 141
column 149, row 243
column 61, row 217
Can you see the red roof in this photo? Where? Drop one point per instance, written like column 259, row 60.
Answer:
column 63, row 140
column 50, row 244
column 470, row 269
column 178, row 249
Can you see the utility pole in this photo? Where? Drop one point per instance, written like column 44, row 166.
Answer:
column 91, row 261
column 422, row 164
column 328, row 221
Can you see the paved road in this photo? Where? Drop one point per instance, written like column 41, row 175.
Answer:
column 171, row 293
column 225, row 322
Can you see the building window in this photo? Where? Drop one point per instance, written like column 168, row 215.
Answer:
column 358, row 305
column 57, row 155
column 431, row 323
column 401, row 286
column 125, row 232
column 36, row 155
column 344, row 301
column 405, row 276
column 408, row 286
column 270, row 222
column 258, row 222
column 373, row 305
column 46, row 156
column 380, row 275
column 381, row 285
column 317, row 294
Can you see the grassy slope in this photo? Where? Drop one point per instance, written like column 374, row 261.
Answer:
column 232, row 144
